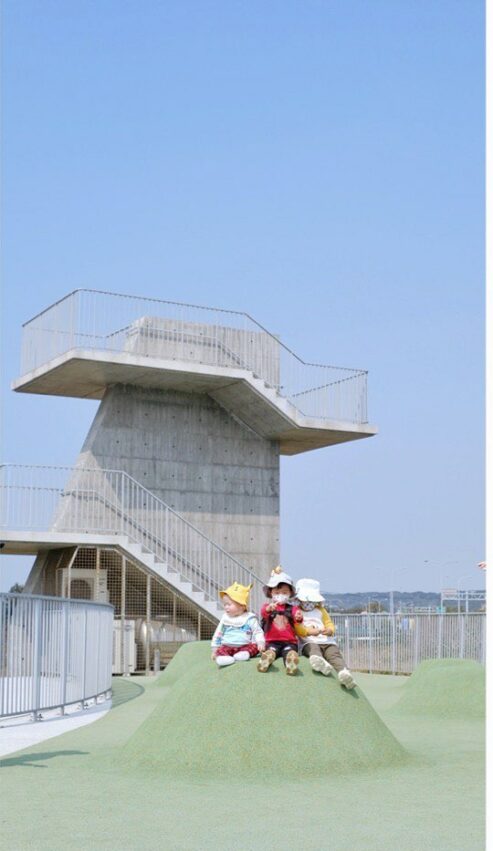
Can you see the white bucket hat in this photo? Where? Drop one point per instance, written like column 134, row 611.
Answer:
column 277, row 576
column 308, row 591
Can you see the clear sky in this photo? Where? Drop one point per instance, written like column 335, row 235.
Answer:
column 318, row 165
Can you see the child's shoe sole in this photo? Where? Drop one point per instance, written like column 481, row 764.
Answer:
column 346, row 679
column 266, row 660
column 292, row 660
column 321, row 665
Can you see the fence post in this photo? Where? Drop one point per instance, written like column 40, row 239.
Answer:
column 461, row 637
column 370, row 643
column 64, row 665
column 148, row 625
column 394, row 653
column 440, row 636
column 84, row 666
column 123, row 660
column 417, row 622
column 347, row 652
column 38, row 625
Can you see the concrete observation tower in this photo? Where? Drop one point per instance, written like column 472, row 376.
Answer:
column 175, row 491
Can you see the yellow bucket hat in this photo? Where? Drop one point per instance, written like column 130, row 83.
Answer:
column 238, row 593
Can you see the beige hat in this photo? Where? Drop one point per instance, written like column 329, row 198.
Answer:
column 308, row 591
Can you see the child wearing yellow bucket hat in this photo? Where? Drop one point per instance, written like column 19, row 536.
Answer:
column 239, row 635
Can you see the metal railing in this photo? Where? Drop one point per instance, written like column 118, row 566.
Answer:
column 110, row 502
column 110, row 322
column 54, row 652
column 396, row 644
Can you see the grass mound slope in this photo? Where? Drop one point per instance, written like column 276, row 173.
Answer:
column 445, row 688
column 237, row 723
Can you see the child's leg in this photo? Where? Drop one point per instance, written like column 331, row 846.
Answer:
column 268, row 656
column 334, row 656
column 225, row 655
column 246, row 652
column 290, row 658
column 316, row 659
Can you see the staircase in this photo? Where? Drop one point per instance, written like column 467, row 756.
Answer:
column 82, row 506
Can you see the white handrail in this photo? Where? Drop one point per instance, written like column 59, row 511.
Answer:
column 110, row 502
column 112, row 322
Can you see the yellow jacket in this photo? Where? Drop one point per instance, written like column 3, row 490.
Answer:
column 302, row 631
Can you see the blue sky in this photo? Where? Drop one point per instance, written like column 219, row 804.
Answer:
column 316, row 164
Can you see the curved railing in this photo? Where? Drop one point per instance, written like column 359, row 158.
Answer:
column 110, row 322
column 54, row 652
column 110, row 502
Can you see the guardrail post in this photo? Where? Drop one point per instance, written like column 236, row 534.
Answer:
column 370, row 643
column 461, row 639
column 348, row 649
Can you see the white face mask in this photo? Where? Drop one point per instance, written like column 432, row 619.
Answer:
column 280, row 598
column 307, row 606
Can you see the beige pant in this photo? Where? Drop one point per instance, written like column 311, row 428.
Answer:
column 329, row 652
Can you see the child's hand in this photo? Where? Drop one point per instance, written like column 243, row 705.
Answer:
column 271, row 607
column 261, row 646
column 327, row 631
column 213, row 655
column 298, row 617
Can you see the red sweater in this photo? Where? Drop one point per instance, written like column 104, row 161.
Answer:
column 280, row 628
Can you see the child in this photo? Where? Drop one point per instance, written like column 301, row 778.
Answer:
column 238, row 635
column 316, row 634
column 278, row 618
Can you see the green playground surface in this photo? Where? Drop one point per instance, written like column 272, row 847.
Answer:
column 200, row 758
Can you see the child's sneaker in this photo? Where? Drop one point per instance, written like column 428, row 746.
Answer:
column 318, row 663
column 266, row 660
column 241, row 656
column 345, row 678
column 292, row 660
column 223, row 661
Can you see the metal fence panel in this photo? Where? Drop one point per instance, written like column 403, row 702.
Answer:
column 53, row 652
column 381, row 643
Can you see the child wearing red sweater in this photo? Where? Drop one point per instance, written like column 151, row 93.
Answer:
column 278, row 617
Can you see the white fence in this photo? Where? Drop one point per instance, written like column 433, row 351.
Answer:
column 53, row 652
column 109, row 322
column 398, row 643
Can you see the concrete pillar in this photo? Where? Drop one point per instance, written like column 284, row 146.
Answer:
column 202, row 461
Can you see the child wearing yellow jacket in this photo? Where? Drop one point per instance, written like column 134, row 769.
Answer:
column 316, row 634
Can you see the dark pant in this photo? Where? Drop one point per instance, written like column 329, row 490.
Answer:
column 329, row 652
column 281, row 648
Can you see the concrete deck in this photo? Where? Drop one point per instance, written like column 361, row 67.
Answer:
column 84, row 373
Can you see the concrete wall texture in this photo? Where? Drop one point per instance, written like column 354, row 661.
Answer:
column 200, row 460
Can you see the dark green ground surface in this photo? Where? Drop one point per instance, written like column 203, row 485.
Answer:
column 383, row 769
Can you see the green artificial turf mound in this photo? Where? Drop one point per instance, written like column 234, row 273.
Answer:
column 445, row 688
column 237, row 723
